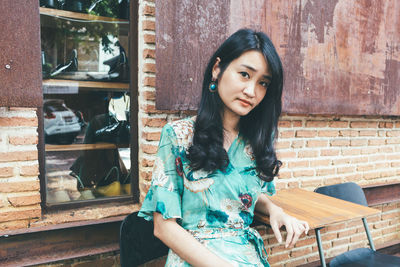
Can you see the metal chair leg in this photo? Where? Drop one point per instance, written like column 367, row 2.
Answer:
column 320, row 248
column 371, row 243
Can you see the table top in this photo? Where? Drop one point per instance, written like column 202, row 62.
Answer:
column 316, row 209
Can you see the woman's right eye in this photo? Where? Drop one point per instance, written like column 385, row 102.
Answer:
column 244, row 74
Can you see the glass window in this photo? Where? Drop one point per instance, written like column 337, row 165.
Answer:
column 86, row 108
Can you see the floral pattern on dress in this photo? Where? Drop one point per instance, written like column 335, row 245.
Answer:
column 216, row 208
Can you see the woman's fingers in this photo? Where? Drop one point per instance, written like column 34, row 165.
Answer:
column 277, row 233
column 290, row 233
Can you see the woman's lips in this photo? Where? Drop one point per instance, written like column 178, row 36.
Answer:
column 244, row 102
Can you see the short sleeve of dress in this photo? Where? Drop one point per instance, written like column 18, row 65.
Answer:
column 165, row 193
column 268, row 188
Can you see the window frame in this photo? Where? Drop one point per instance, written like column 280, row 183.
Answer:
column 134, row 146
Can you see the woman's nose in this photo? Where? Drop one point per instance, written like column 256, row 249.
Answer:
column 249, row 90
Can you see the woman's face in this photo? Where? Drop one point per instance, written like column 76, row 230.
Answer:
column 244, row 83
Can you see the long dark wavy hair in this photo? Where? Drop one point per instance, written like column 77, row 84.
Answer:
column 258, row 128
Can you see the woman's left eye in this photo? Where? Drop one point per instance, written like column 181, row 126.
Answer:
column 264, row 84
column 244, row 74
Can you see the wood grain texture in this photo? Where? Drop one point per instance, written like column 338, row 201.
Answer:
column 316, row 209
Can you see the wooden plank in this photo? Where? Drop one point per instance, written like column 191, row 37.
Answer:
column 76, row 15
column 73, row 147
column 317, row 209
column 86, row 84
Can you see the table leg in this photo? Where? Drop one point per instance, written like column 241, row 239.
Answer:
column 320, row 248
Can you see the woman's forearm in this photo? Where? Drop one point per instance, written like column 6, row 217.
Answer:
column 265, row 205
column 184, row 244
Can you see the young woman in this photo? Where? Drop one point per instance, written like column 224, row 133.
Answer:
column 211, row 171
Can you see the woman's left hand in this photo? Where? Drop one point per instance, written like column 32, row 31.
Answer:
column 294, row 227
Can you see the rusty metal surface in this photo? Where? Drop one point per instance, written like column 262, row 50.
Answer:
column 59, row 244
column 20, row 67
column 187, row 33
column 340, row 57
column 382, row 194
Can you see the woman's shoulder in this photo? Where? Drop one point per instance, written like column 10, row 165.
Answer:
column 183, row 130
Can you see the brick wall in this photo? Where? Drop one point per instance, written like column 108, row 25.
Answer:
column 19, row 169
column 315, row 150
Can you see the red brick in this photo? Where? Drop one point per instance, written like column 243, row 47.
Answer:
column 317, row 143
column 284, row 124
column 338, row 124
column 13, row 215
column 297, row 123
column 286, row 134
column 145, row 176
column 334, row 180
column 149, row 67
column 358, row 142
column 371, row 175
column 282, row 144
column 308, row 154
column 328, row 133
column 149, row 10
column 348, row 133
column 21, row 109
column 149, row 25
column 311, row 183
column 303, row 133
column 152, row 136
column 390, row 230
column 351, row 152
column 154, row 122
column 278, row 258
column 383, row 124
column 340, row 142
column 6, row 172
column 304, row 242
column 316, row 124
column 302, row 173
column 295, row 263
column 149, row 38
column 294, row 184
column 149, row 53
column 12, row 187
column 367, row 133
column 324, row 172
column 390, row 215
column 329, row 152
column 14, row 225
column 339, row 242
column 24, row 200
column 149, row 95
column 393, row 133
column 336, row 227
column 297, row 164
column 363, row 124
column 151, row 109
column 18, row 121
column 297, row 144
column 286, row 154
column 363, row 168
column 397, row 124
column 345, row 169
column 386, row 150
column 389, row 207
column 393, row 141
column 341, row 161
column 359, row 160
column 18, row 156
column 23, row 140
column 376, row 142
column 320, row 162
column 149, row 149
column 370, row 150
column 284, row 175
column 147, row 163
column 149, row 81
column 32, row 170
column 338, row 250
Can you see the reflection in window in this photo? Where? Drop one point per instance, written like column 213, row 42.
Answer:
column 86, row 100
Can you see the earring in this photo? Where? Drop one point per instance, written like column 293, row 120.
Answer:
column 213, row 86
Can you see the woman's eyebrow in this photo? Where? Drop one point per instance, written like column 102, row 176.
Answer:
column 268, row 77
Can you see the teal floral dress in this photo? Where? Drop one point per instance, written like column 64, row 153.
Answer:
column 216, row 208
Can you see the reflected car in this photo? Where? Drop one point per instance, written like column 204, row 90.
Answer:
column 61, row 125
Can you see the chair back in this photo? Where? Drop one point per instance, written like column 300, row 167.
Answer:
column 138, row 244
column 347, row 191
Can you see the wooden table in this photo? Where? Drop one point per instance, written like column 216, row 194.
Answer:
column 316, row 209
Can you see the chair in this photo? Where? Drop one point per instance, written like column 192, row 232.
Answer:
column 364, row 257
column 138, row 244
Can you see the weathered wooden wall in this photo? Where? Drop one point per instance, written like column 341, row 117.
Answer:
column 340, row 57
